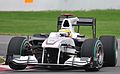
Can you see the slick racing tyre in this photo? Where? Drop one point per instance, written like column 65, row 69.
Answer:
column 93, row 48
column 41, row 35
column 110, row 46
column 14, row 49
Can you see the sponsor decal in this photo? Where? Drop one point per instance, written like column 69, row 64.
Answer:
column 28, row 1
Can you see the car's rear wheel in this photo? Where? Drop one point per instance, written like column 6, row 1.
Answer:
column 14, row 49
column 93, row 49
column 41, row 35
column 110, row 46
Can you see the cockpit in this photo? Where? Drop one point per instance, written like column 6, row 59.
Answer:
column 66, row 23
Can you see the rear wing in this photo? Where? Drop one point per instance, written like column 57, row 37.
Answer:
column 83, row 21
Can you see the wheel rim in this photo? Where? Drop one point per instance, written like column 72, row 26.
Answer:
column 24, row 45
column 100, row 55
column 116, row 51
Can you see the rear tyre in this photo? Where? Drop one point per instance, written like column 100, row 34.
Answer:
column 41, row 35
column 110, row 46
column 93, row 49
column 14, row 49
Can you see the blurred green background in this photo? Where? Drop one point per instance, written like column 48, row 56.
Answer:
column 29, row 23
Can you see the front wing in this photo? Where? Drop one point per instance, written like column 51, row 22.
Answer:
column 71, row 62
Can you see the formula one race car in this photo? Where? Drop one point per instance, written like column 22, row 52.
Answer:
column 64, row 48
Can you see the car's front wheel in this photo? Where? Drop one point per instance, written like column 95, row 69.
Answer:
column 14, row 48
column 93, row 49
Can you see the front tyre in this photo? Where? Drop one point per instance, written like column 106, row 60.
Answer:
column 14, row 49
column 15, row 66
column 93, row 49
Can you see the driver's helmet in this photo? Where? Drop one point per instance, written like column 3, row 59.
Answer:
column 66, row 31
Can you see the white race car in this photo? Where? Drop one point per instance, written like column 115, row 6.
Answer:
column 64, row 48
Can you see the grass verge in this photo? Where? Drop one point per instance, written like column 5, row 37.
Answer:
column 2, row 60
column 28, row 23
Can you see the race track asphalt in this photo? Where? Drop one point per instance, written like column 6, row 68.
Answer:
column 106, row 70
